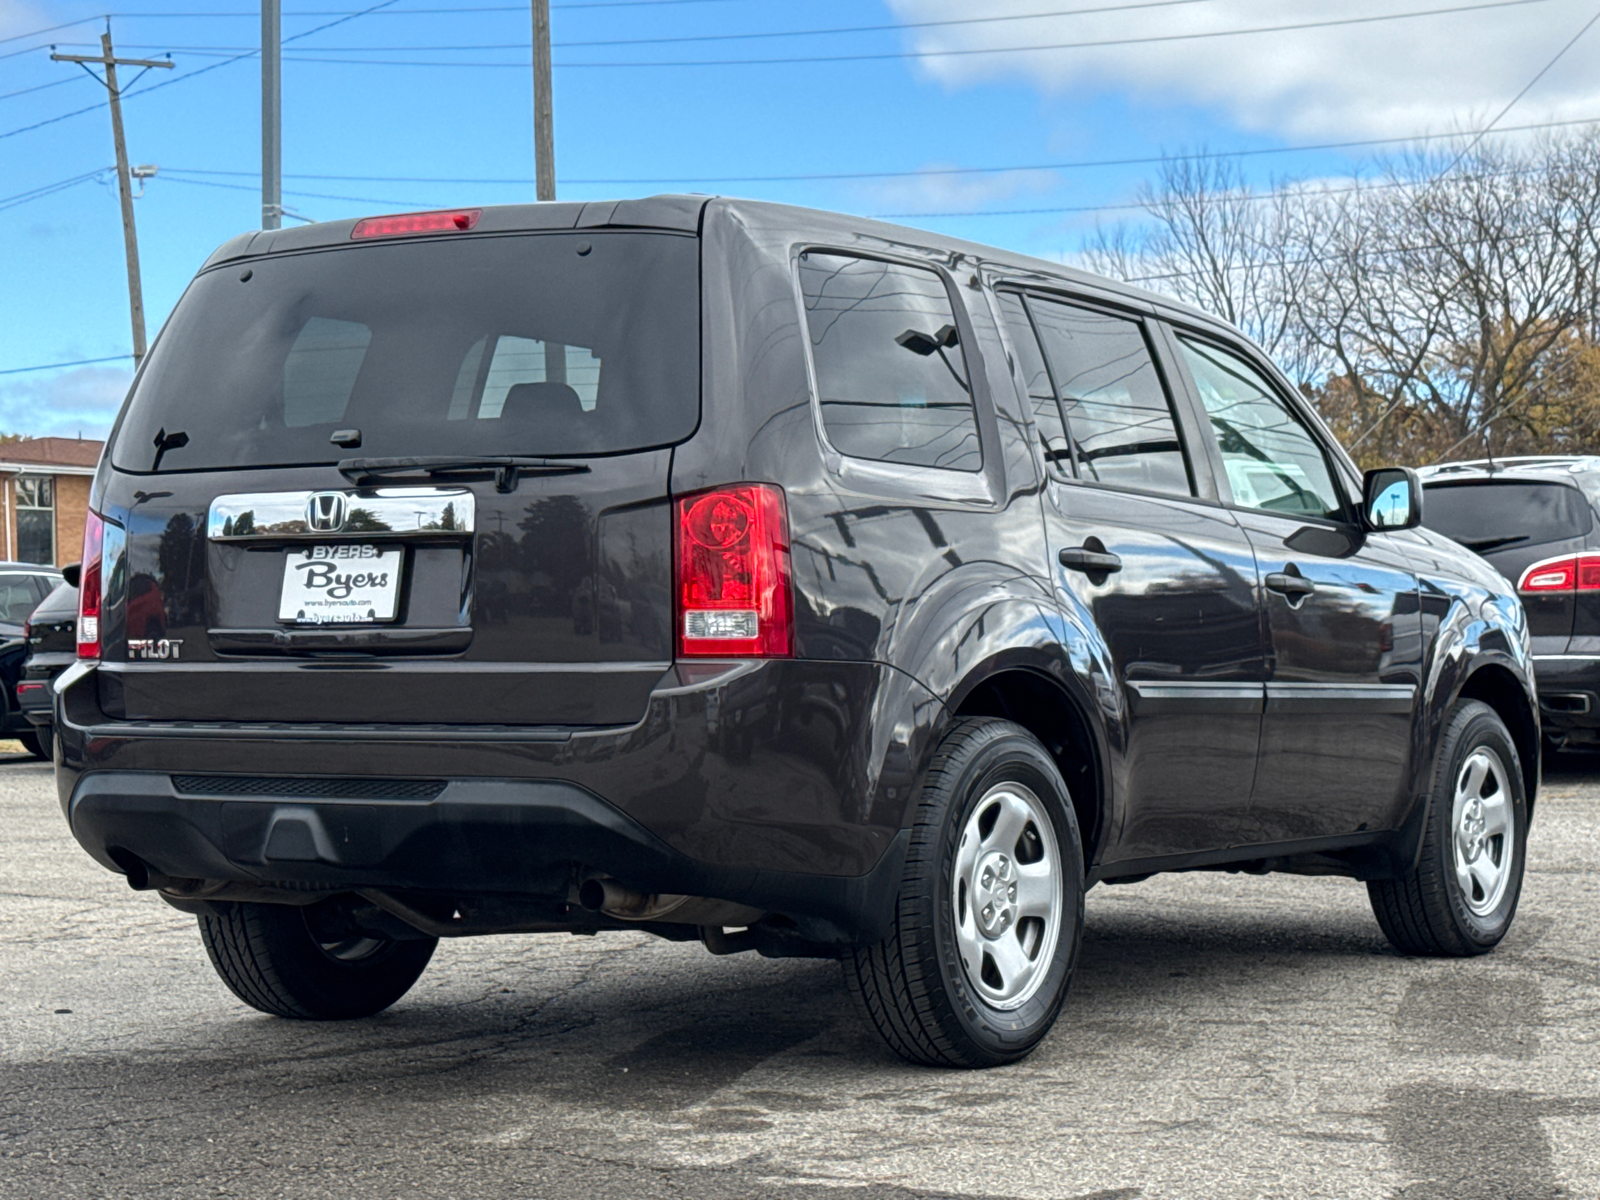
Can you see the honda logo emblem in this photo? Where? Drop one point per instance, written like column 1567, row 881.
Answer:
column 325, row 512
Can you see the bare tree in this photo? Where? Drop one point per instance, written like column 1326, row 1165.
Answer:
column 1446, row 300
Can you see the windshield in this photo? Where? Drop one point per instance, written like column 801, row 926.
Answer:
column 549, row 344
column 1489, row 515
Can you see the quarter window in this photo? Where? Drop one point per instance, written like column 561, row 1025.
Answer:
column 1048, row 425
column 1272, row 460
column 892, row 379
column 36, row 519
column 1115, row 404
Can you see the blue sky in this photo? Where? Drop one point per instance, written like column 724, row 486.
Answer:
column 394, row 113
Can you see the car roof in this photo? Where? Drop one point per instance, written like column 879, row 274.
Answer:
column 1568, row 468
column 684, row 214
column 31, row 568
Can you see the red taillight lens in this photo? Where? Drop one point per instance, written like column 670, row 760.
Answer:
column 1569, row 574
column 456, row 220
column 89, row 587
column 733, row 574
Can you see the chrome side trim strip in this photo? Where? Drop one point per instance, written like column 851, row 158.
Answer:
column 409, row 512
column 1186, row 697
column 1305, row 698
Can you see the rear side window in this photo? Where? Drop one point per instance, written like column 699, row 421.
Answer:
column 1115, row 404
column 536, row 344
column 1490, row 515
column 892, row 378
column 1273, row 461
column 1048, row 425
column 18, row 598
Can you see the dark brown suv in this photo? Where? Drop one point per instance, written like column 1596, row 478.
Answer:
column 767, row 578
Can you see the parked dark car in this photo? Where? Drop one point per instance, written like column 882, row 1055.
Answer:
column 22, row 587
column 779, row 580
column 52, row 637
column 1534, row 519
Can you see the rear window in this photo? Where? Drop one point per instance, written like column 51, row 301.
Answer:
column 547, row 344
column 1490, row 515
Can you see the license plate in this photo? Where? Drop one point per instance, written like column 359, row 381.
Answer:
column 341, row 585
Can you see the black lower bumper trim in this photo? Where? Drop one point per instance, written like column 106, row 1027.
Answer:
column 477, row 836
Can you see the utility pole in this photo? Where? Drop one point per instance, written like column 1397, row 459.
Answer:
column 130, row 239
column 271, row 114
column 544, row 136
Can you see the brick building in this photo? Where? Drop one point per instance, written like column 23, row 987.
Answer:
column 44, row 493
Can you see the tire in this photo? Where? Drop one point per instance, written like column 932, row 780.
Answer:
column 31, row 743
column 270, row 959
column 1461, row 896
column 992, row 809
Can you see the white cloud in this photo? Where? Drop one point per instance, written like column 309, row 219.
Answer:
column 81, row 401
column 18, row 16
column 1388, row 78
column 954, row 193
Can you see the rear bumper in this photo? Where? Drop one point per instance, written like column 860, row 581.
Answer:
column 1569, row 696
column 782, row 785
column 476, row 837
column 34, row 700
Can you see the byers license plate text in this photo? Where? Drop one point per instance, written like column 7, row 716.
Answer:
column 341, row 585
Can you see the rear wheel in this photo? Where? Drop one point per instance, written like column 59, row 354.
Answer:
column 1460, row 898
column 271, row 957
column 990, row 912
column 32, row 743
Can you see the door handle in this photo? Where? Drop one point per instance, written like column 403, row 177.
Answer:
column 1090, row 562
column 1295, row 587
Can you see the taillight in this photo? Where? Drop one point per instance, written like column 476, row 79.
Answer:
column 1569, row 574
column 457, row 220
column 733, row 574
column 89, row 587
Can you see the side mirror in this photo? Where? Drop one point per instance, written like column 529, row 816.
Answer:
column 1392, row 499
column 71, row 573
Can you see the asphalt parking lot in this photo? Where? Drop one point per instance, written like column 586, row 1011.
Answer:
column 1226, row 1036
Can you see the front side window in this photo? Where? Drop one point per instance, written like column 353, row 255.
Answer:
column 36, row 519
column 1115, row 404
column 892, row 379
column 1272, row 460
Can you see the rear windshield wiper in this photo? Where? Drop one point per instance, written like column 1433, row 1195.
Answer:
column 1479, row 545
column 505, row 469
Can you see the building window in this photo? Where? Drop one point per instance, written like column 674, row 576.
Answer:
column 36, row 519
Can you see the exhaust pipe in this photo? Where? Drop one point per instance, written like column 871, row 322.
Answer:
column 608, row 897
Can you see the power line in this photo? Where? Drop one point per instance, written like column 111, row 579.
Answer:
column 82, row 362
column 1081, row 164
column 1527, row 87
column 17, row 37
column 187, row 75
column 39, row 193
column 39, row 87
column 725, row 37
column 926, row 54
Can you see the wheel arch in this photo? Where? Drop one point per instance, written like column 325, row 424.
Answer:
column 1034, row 697
column 1498, row 686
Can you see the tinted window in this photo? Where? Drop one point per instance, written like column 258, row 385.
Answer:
column 477, row 345
column 891, row 376
column 1272, row 459
column 1489, row 515
column 1048, row 425
column 18, row 598
column 1114, row 402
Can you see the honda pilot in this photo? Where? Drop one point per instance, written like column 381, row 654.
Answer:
column 781, row 581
